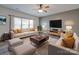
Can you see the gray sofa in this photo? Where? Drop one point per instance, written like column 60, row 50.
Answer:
column 24, row 34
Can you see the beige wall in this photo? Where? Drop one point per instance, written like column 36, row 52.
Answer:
column 68, row 18
column 6, row 12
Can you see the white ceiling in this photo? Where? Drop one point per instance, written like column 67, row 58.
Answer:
column 31, row 8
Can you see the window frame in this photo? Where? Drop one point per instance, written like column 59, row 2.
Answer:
column 29, row 24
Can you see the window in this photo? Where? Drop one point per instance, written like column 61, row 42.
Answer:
column 17, row 23
column 31, row 24
column 22, row 23
column 25, row 23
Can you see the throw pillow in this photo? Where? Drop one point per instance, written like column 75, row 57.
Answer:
column 68, row 40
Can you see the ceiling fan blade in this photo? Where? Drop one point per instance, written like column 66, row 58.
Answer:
column 45, row 11
column 41, row 6
column 45, row 6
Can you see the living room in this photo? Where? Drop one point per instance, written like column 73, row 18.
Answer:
column 21, row 28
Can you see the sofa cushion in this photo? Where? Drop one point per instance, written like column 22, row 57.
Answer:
column 14, row 30
column 18, row 30
column 24, row 49
column 22, row 34
column 15, row 42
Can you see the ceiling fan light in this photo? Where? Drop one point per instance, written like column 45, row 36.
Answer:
column 40, row 10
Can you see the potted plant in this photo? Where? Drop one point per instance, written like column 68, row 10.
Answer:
column 39, row 28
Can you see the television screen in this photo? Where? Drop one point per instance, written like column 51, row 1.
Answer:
column 56, row 23
column 2, row 19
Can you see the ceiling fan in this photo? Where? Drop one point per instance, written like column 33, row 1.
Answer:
column 42, row 8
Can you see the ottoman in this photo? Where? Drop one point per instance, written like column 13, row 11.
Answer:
column 39, row 39
column 15, row 42
column 24, row 49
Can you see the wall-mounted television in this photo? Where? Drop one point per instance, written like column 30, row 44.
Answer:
column 55, row 23
column 2, row 20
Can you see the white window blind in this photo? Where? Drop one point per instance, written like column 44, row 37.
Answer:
column 25, row 23
column 22, row 23
column 17, row 23
column 31, row 23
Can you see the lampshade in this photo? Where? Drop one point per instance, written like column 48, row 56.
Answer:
column 68, row 28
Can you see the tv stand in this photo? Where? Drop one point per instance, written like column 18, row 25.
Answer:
column 55, row 32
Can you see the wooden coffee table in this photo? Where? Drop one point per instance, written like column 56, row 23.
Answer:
column 39, row 39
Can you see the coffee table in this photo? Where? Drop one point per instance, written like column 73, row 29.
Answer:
column 39, row 39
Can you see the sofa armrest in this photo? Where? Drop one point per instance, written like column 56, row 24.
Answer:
column 76, row 45
column 62, row 50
